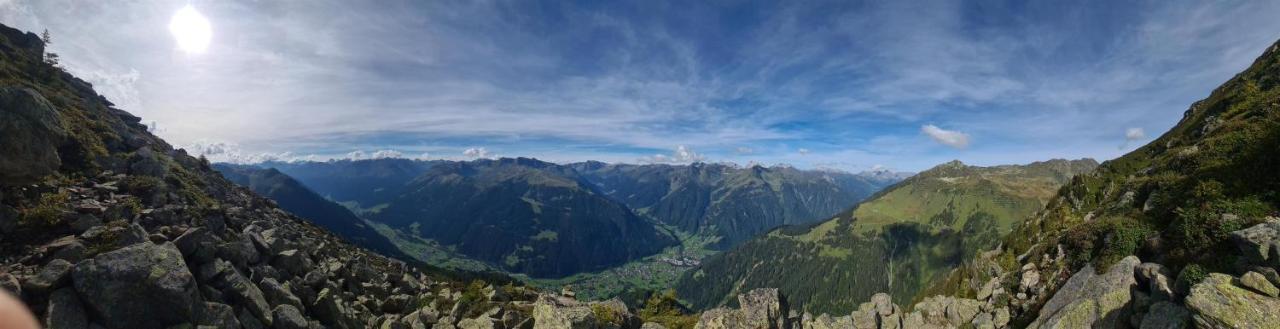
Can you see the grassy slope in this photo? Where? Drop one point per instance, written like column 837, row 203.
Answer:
column 1165, row 201
column 916, row 229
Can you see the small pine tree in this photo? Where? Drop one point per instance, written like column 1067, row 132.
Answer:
column 50, row 58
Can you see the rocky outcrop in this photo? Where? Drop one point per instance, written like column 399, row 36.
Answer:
column 32, row 133
column 141, row 286
column 1220, row 302
column 1090, row 299
column 763, row 308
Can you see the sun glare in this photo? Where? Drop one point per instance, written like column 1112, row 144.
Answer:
column 191, row 30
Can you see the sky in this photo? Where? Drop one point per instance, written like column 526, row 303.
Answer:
column 900, row 85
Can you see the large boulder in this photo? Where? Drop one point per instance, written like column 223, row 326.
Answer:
column 1090, row 299
column 1217, row 302
column 764, row 308
column 549, row 313
column 1257, row 242
column 1166, row 315
column 140, row 286
column 65, row 311
column 32, row 133
column 720, row 318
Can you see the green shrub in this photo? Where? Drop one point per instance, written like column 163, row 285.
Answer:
column 605, row 314
column 1105, row 241
column 47, row 211
column 665, row 309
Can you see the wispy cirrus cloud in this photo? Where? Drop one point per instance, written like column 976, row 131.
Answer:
column 572, row 82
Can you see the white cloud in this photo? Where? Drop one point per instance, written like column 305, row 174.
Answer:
column 742, row 150
column 803, row 151
column 1133, row 134
column 477, row 153
column 424, row 156
column 952, row 138
column 682, row 154
column 386, row 154
column 217, row 151
column 357, row 155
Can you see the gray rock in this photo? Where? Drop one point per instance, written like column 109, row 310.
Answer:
column 65, row 311
column 1001, row 318
column 1256, row 242
column 883, row 303
column 145, row 162
column 288, row 317
column 984, row 321
column 1259, row 283
column 333, row 311
column 1218, row 303
column 396, row 303
column 764, row 308
column 238, row 289
column 32, row 134
column 218, row 315
column 1089, row 299
column 652, row 325
column 248, row 321
column 84, row 222
column 278, row 294
column 962, row 311
column 8, row 219
column 1166, row 315
column 139, row 286
column 10, row 283
column 476, row 323
column 717, row 318
column 293, row 261
column 239, row 251
column 56, row 274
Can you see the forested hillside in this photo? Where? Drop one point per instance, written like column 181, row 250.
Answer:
column 898, row 241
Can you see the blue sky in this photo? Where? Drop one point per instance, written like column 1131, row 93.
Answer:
column 848, row 85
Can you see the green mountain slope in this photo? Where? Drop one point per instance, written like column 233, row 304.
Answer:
column 359, row 184
column 917, row 230
column 522, row 215
column 730, row 203
column 1174, row 201
column 297, row 199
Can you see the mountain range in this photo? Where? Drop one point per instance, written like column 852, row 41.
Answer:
column 550, row 220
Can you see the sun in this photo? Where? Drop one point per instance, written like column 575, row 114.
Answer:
column 191, row 30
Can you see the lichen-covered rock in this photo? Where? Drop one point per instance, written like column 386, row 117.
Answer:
column 1217, row 302
column 140, row 286
column 32, row 134
column 716, row 318
column 1089, row 299
column 551, row 314
column 288, row 317
column 1166, row 315
column 1259, row 283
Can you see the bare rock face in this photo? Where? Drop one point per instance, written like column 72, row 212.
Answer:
column 764, row 308
column 1089, row 299
column 141, row 286
column 32, row 133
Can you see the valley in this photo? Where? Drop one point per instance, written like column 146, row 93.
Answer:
column 398, row 193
